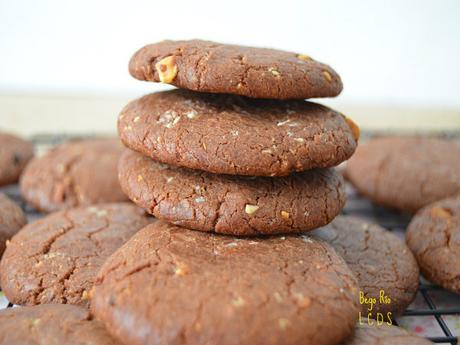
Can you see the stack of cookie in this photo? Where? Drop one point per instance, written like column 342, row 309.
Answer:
column 235, row 151
column 236, row 165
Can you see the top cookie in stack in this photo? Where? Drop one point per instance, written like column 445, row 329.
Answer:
column 242, row 113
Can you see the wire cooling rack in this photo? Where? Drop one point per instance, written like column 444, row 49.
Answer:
column 435, row 313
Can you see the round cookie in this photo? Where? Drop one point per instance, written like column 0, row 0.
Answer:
column 384, row 335
column 405, row 173
column 12, row 218
column 74, row 174
column 227, row 134
column 14, row 155
column 433, row 236
column 224, row 68
column 168, row 285
column 55, row 259
column 234, row 205
column 380, row 261
column 51, row 324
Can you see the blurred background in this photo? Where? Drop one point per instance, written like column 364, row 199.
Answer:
column 63, row 64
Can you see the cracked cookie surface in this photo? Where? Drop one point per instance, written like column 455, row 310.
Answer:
column 15, row 153
column 168, row 285
column 384, row 335
column 55, row 259
column 433, row 236
column 235, row 205
column 227, row 134
column 223, row 68
column 12, row 218
column 379, row 259
column 74, row 174
column 51, row 324
column 405, row 173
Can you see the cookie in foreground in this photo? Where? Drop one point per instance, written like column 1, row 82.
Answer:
column 168, row 285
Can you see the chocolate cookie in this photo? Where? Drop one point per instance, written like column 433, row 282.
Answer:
column 379, row 259
column 384, row 335
column 227, row 134
column 74, row 174
column 14, row 155
column 168, row 285
column 434, row 237
column 12, row 218
column 51, row 324
column 406, row 173
column 223, row 68
column 235, row 205
column 55, row 259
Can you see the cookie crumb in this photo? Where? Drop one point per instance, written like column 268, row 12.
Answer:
column 167, row 69
column 250, row 209
column 282, row 123
column 35, row 322
column 355, row 131
column 274, row 71
column 191, row 114
column 238, row 302
column 180, row 270
column 283, row 323
column 278, row 297
column 303, row 57
column 285, row 214
column 302, row 301
column 327, row 76
column 440, row 212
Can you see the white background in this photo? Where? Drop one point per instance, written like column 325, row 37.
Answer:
column 387, row 52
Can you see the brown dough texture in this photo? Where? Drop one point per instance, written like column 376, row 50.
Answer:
column 433, row 236
column 55, row 259
column 12, row 218
column 227, row 134
column 234, row 205
column 52, row 324
column 378, row 258
column 79, row 173
column 15, row 153
column 384, row 335
column 406, row 173
column 223, row 68
column 168, row 285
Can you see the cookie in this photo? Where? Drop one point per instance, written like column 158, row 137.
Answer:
column 224, row 68
column 433, row 236
column 405, row 173
column 384, row 335
column 168, row 285
column 12, row 218
column 14, row 155
column 227, row 134
column 51, row 324
column 55, row 259
column 236, row 205
column 382, row 262
column 74, row 174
